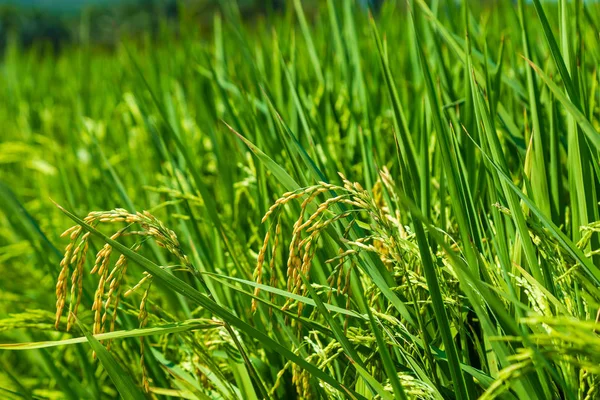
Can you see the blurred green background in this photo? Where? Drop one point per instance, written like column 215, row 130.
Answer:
column 55, row 23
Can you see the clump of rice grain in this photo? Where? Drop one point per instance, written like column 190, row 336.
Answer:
column 323, row 206
column 111, row 279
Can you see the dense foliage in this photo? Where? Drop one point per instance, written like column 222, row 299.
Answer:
column 337, row 206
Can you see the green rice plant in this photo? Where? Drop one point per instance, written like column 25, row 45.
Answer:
column 339, row 204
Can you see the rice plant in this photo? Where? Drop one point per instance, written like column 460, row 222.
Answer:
column 318, row 202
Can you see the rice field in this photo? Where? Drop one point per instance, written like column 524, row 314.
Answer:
column 321, row 202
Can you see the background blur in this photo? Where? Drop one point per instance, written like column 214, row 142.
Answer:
column 55, row 23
